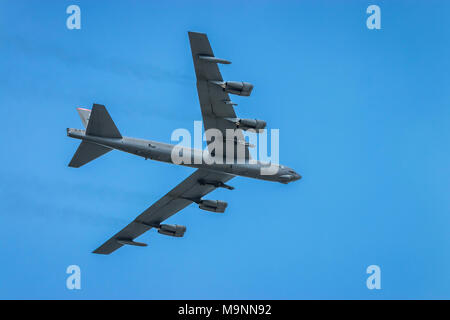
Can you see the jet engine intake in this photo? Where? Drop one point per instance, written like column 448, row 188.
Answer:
column 239, row 88
column 213, row 205
column 255, row 124
column 172, row 230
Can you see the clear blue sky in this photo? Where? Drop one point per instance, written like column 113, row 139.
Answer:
column 364, row 116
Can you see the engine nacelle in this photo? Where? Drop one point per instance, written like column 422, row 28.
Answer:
column 238, row 87
column 213, row 205
column 251, row 124
column 172, row 230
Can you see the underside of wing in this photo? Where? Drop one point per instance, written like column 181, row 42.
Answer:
column 192, row 189
column 216, row 105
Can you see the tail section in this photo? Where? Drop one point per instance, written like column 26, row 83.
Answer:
column 98, row 123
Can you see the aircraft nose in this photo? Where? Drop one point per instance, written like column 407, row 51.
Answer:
column 292, row 176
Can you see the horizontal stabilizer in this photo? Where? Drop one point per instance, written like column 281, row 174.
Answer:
column 84, row 115
column 100, row 123
column 87, row 152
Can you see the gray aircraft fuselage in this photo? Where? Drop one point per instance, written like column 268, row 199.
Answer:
column 163, row 152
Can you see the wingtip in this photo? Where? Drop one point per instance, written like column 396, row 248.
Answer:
column 193, row 33
column 102, row 253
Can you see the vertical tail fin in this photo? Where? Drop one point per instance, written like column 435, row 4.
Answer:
column 100, row 123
